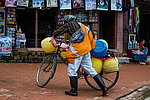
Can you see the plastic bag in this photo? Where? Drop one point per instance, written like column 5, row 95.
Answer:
column 97, row 64
column 110, row 65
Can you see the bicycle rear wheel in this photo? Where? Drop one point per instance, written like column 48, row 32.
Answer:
column 109, row 79
column 46, row 70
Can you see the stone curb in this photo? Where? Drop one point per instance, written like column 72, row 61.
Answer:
column 136, row 94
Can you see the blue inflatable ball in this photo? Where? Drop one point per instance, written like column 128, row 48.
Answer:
column 100, row 49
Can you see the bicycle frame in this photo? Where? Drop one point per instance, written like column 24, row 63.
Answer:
column 58, row 52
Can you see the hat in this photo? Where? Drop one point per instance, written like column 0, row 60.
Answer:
column 69, row 18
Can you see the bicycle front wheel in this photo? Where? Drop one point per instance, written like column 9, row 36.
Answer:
column 109, row 79
column 46, row 70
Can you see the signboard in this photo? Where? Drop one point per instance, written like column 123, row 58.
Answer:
column 23, row 3
column 5, row 45
column 90, row 4
column 65, row 4
column 11, row 3
column 38, row 3
column 102, row 5
column 52, row 3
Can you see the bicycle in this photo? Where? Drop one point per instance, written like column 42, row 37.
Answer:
column 48, row 66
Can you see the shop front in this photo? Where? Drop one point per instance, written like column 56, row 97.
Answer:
column 28, row 25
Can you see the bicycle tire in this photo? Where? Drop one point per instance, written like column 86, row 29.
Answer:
column 91, row 82
column 46, row 70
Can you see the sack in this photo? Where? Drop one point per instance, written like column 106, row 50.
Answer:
column 97, row 64
column 110, row 65
column 78, row 36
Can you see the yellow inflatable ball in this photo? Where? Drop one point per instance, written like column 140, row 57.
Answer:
column 47, row 45
column 97, row 64
column 110, row 65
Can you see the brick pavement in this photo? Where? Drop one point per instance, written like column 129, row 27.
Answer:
column 18, row 81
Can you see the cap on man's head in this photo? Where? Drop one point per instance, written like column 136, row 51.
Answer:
column 69, row 18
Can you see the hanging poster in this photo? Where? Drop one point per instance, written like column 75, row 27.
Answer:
column 2, row 3
column 38, row 3
column 5, row 45
column 11, row 3
column 102, row 5
column 116, row 5
column 90, row 4
column 65, row 4
column 78, row 3
column 23, row 3
column 52, row 3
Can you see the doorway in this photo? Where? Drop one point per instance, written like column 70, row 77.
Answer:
column 107, row 28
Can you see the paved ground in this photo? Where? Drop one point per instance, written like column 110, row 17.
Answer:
column 18, row 82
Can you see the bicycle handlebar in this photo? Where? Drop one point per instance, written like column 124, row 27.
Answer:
column 61, row 41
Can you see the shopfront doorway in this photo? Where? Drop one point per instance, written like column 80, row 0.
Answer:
column 26, row 20
column 107, row 28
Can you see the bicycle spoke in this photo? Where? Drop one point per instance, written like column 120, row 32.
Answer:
column 107, row 79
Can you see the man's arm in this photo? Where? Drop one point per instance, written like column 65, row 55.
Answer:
column 63, row 29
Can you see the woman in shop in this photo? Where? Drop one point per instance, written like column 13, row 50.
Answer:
column 78, row 54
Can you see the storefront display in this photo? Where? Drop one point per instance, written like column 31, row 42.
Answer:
column 11, row 24
column 11, row 16
column 82, row 15
column 60, row 17
column 93, row 16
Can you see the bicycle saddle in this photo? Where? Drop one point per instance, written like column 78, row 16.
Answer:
column 62, row 46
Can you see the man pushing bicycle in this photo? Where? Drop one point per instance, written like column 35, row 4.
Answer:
column 78, row 54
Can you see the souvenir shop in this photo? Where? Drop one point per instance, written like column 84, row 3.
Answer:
column 28, row 22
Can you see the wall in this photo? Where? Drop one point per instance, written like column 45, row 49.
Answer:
column 125, row 32
column 119, row 31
